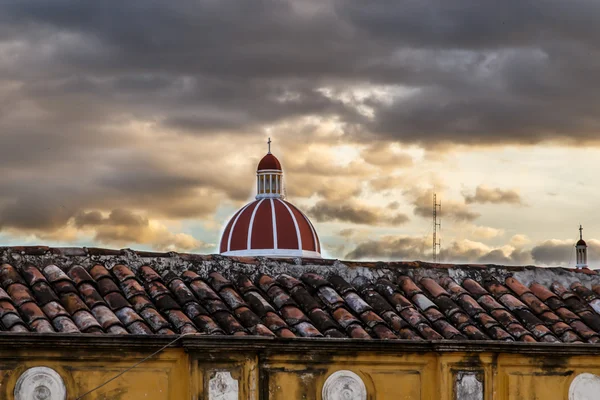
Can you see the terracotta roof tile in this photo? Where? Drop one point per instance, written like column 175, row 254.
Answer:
column 356, row 331
column 258, row 303
column 541, row 292
column 32, row 274
column 345, row 318
column 421, row 301
column 306, row 329
column 232, row 298
column 288, row 282
column 218, row 281
column 154, row 319
column 9, row 275
column 9, row 320
column 428, row 332
column 106, row 286
column 85, row 321
column 228, row 322
column 64, row 324
column 207, row 325
column 322, row 320
column 98, row 271
column 131, row 288
column 141, row 302
column 79, row 275
column 516, row 286
column 105, row 317
column 148, row 275
column 511, row 302
column 122, row 273
column 274, row 322
column 48, row 295
column 305, row 299
column 55, row 274
column 19, row 294
column 447, row 330
column 139, row 328
column 474, row 288
column 408, row 286
column 42, row 326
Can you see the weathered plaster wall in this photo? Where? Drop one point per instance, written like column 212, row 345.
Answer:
column 225, row 369
column 161, row 378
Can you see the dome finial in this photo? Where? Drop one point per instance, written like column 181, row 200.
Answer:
column 269, row 144
column 580, row 232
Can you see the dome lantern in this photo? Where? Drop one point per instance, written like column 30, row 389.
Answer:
column 269, row 177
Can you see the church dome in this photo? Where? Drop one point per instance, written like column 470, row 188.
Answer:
column 270, row 226
column 581, row 242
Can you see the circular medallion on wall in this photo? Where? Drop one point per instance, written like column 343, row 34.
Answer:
column 584, row 387
column 344, row 385
column 40, row 383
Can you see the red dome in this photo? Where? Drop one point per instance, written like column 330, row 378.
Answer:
column 270, row 227
column 581, row 242
column 269, row 162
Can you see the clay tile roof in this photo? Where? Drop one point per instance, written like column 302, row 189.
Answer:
column 98, row 291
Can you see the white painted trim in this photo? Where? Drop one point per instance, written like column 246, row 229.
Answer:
column 274, row 220
column 268, row 196
column 273, row 253
column 233, row 225
column 266, row 171
column 249, row 242
column 295, row 224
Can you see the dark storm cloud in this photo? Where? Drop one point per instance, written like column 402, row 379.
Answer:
column 75, row 76
column 355, row 213
column 480, row 73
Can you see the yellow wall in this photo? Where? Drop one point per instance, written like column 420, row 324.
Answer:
column 180, row 373
column 164, row 377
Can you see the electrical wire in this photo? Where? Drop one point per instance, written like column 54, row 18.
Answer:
column 133, row 366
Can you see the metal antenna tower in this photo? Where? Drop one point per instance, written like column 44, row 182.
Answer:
column 437, row 242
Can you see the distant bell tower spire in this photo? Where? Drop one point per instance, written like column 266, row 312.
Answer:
column 581, row 249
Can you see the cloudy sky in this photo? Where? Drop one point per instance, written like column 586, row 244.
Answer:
column 139, row 124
